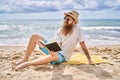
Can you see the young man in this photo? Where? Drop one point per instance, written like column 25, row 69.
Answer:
column 67, row 36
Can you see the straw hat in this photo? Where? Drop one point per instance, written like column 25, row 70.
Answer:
column 74, row 14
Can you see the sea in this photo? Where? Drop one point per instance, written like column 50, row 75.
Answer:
column 17, row 32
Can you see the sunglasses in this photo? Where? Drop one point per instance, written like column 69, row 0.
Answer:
column 67, row 19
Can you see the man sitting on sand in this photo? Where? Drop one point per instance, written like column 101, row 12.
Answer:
column 67, row 36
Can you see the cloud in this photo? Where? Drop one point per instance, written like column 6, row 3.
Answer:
column 33, row 6
column 26, row 6
column 114, row 4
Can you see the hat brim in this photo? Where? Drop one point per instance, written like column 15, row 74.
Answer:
column 67, row 14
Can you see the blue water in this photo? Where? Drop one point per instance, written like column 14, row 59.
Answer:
column 100, row 32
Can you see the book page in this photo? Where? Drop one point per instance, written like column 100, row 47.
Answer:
column 51, row 41
column 42, row 42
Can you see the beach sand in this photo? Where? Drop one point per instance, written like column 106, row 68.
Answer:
column 106, row 71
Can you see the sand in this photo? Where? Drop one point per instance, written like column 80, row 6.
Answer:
column 11, row 54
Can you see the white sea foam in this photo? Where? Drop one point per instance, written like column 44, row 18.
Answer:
column 4, row 27
column 101, row 28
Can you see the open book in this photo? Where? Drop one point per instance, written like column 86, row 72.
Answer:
column 52, row 46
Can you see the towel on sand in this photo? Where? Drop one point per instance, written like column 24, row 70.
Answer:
column 82, row 59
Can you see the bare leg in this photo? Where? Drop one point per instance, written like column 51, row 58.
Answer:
column 39, row 61
column 31, row 46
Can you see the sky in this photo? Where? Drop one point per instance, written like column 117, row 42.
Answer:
column 54, row 9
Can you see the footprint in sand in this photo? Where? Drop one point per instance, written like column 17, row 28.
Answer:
column 95, row 70
column 16, row 57
column 43, row 69
column 4, row 57
column 8, row 73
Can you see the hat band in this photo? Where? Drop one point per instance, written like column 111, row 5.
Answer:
column 70, row 13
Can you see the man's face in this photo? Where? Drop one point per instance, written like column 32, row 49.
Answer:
column 68, row 24
column 68, row 20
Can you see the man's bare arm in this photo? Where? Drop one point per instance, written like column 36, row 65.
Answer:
column 85, row 50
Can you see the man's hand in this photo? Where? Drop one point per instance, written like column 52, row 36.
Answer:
column 52, row 53
column 90, row 61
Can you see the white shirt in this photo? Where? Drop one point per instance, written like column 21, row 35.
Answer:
column 69, row 42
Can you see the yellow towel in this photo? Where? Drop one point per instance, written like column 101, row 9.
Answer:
column 81, row 59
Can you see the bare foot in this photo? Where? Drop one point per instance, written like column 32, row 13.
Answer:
column 21, row 61
column 21, row 66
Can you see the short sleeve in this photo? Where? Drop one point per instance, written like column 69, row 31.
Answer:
column 81, row 35
column 57, row 36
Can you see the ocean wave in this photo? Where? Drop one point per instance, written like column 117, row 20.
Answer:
column 3, row 22
column 16, row 41
column 102, row 37
column 2, row 35
column 101, row 28
column 50, row 26
column 4, row 27
column 19, row 33
column 14, row 27
column 27, row 27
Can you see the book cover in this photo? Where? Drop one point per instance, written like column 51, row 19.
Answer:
column 52, row 46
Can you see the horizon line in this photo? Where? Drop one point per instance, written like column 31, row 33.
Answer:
column 59, row 19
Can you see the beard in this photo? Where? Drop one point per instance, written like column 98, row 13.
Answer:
column 67, row 28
